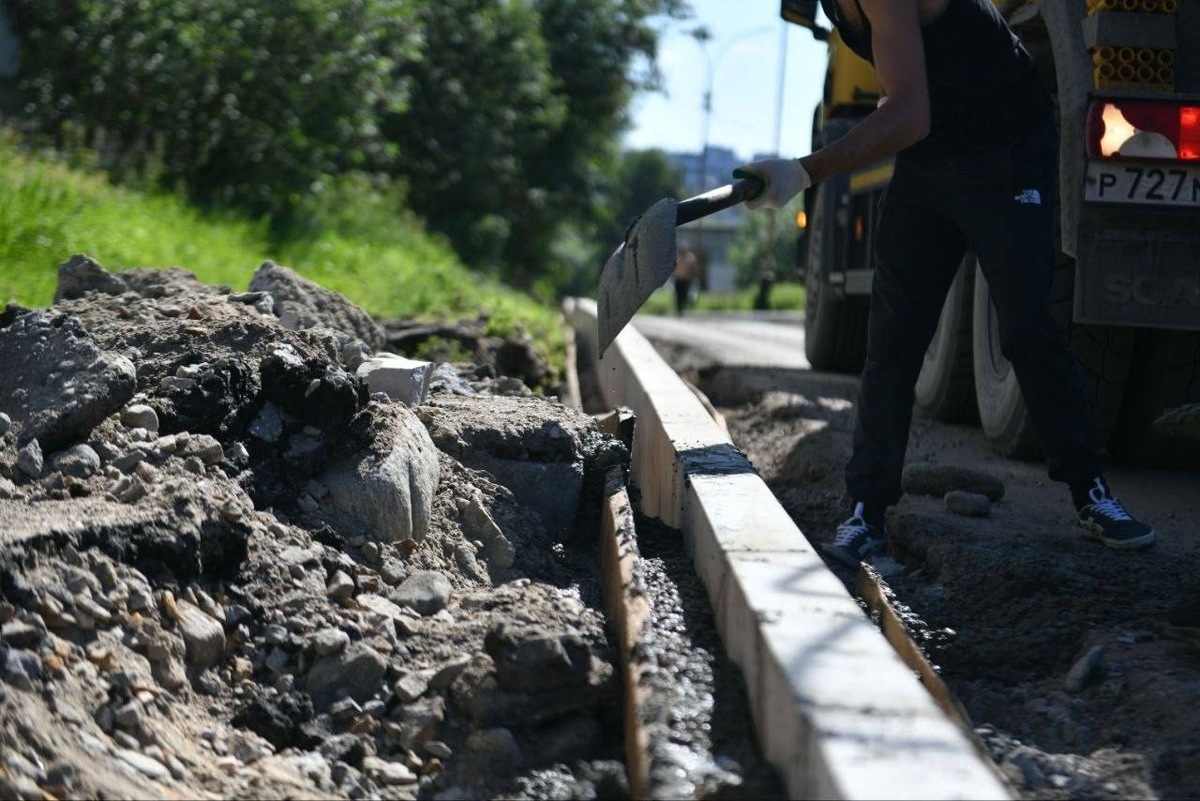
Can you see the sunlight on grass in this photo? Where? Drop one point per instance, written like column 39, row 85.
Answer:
column 49, row 212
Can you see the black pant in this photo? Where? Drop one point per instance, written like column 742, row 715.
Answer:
column 682, row 289
column 1000, row 206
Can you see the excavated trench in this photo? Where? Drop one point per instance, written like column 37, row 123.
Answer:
column 1073, row 663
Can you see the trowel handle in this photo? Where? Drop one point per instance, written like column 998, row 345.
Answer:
column 717, row 199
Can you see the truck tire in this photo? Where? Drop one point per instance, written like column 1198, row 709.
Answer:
column 835, row 327
column 1002, row 412
column 945, row 388
column 1105, row 355
column 1165, row 375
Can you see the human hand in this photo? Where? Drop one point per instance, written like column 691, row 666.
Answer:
column 783, row 179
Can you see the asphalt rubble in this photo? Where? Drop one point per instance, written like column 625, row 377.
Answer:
column 229, row 568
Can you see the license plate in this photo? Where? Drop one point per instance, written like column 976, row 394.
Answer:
column 1143, row 184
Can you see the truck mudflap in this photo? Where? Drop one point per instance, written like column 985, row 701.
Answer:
column 1138, row 277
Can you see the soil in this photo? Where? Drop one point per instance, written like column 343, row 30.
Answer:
column 230, row 568
column 1079, row 666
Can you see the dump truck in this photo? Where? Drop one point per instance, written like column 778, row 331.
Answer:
column 1125, row 75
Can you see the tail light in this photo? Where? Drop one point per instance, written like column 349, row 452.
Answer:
column 1143, row 129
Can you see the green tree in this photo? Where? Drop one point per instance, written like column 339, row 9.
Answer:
column 514, row 121
column 638, row 180
column 239, row 102
column 758, row 246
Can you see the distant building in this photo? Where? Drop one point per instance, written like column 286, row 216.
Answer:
column 712, row 236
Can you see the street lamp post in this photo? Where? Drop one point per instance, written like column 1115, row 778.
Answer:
column 703, row 36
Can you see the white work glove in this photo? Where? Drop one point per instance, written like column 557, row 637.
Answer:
column 783, row 180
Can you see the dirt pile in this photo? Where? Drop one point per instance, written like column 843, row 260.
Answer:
column 228, row 568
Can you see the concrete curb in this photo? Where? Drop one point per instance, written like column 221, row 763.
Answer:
column 836, row 710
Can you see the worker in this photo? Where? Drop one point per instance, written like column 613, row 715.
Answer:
column 972, row 129
column 683, row 276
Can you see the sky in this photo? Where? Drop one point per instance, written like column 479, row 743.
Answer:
column 745, row 56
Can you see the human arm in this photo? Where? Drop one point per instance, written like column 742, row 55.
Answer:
column 903, row 120
column 896, row 124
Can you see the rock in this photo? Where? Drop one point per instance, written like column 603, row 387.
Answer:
column 388, row 773
column 20, row 668
column 300, row 304
column 20, row 634
column 330, row 641
column 140, row 415
column 356, row 672
column 920, row 478
column 496, row 746
column 403, row 380
column 79, row 275
column 479, row 525
column 425, row 591
column 340, row 586
column 1083, row 669
column 419, row 722
column 80, row 461
column 969, row 504
column 29, row 459
column 268, row 425
column 532, row 659
column 410, row 687
column 203, row 636
column 387, row 490
column 55, row 382
column 310, row 389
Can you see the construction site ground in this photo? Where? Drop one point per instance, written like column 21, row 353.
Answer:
column 1078, row 666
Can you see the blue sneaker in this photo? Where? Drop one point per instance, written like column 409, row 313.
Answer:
column 855, row 540
column 1106, row 521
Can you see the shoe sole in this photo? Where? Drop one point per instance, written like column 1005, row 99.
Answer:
column 846, row 557
column 1096, row 532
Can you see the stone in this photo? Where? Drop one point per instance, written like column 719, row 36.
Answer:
column 479, row 525
column 387, row 491
column 410, row 686
column 1083, row 669
column 356, row 672
column 402, row 380
column 330, row 641
column 388, row 773
column 203, row 636
column 968, row 504
column 55, row 381
column 920, row 478
column 140, row 415
column 29, row 459
column 80, row 274
column 532, row 659
column 79, row 461
column 340, row 586
column 300, row 304
column 424, row 591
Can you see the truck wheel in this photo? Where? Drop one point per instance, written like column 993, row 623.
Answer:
column 835, row 328
column 945, row 388
column 1165, row 375
column 1002, row 413
column 1104, row 353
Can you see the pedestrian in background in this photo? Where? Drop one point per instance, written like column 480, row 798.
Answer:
column 973, row 131
column 683, row 276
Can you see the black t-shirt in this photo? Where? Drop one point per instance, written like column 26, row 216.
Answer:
column 984, row 87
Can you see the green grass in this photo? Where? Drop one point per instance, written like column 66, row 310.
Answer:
column 784, row 295
column 381, row 260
